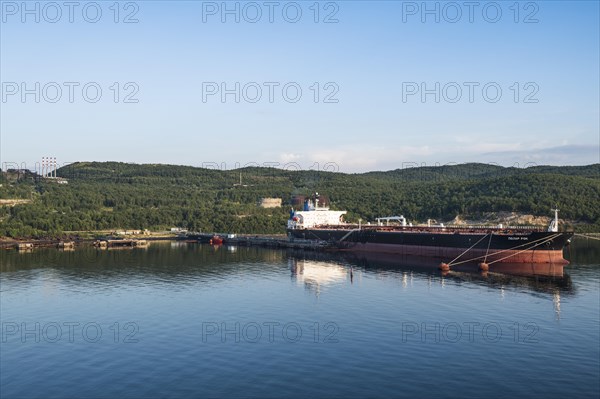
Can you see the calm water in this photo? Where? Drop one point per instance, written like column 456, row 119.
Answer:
column 188, row 320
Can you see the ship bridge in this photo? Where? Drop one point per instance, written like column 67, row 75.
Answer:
column 317, row 217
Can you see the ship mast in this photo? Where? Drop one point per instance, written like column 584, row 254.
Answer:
column 554, row 224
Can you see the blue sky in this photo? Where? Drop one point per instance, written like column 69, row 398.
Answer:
column 369, row 69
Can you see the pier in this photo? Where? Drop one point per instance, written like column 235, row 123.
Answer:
column 272, row 242
column 266, row 241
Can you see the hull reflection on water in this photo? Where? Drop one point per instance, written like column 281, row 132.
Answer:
column 522, row 269
column 317, row 269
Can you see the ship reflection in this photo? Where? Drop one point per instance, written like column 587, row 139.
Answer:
column 315, row 274
column 556, row 301
column 549, row 278
column 315, row 270
column 421, row 263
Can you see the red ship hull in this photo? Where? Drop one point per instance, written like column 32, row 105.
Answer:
column 554, row 256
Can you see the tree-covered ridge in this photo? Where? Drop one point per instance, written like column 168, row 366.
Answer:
column 112, row 195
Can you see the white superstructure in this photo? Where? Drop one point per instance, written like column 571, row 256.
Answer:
column 313, row 215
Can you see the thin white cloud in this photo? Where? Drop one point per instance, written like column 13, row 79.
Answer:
column 349, row 159
column 288, row 157
column 564, row 154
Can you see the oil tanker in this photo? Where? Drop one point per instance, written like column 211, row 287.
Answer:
column 452, row 244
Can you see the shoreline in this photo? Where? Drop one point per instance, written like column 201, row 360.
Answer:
column 264, row 240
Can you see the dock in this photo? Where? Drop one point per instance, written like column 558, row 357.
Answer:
column 271, row 242
column 24, row 246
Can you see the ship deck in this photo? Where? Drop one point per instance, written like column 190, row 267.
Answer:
column 508, row 230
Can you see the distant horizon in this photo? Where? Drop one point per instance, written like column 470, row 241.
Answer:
column 585, row 155
column 290, row 166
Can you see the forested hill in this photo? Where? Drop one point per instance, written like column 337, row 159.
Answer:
column 111, row 195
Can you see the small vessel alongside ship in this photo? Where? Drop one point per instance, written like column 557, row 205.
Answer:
column 460, row 244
